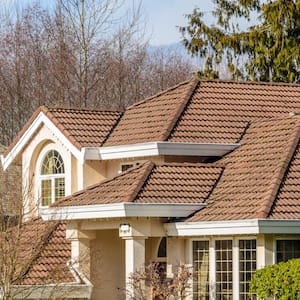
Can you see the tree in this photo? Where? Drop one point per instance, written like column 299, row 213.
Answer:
column 267, row 51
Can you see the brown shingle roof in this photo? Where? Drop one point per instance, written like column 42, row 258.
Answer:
column 287, row 203
column 83, row 127
column 219, row 111
column 150, row 183
column 253, row 172
column 42, row 253
column 153, row 119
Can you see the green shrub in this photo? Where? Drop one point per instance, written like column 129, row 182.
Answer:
column 281, row 281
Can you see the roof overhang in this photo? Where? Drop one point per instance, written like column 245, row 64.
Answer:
column 159, row 148
column 80, row 289
column 119, row 210
column 253, row 226
column 25, row 138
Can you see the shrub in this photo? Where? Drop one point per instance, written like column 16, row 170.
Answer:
column 281, row 281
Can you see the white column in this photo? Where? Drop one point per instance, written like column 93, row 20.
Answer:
column 134, row 260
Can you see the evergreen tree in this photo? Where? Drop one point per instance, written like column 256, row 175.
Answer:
column 266, row 51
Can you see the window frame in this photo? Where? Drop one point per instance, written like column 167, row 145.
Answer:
column 292, row 238
column 65, row 156
column 212, row 262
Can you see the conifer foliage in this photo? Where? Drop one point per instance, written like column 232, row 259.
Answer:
column 266, row 51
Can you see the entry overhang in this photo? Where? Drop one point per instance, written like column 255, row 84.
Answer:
column 119, row 210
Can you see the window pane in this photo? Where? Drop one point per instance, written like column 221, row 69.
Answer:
column 59, row 188
column 46, row 192
column 224, row 269
column 201, row 270
column 247, row 263
column 52, row 164
column 162, row 249
column 287, row 249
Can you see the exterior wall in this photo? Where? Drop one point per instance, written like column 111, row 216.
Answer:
column 94, row 172
column 108, row 265
column 31, row 158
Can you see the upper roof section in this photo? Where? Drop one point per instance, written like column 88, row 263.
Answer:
column 82, row 127
column 153, row 119
column 204, row 112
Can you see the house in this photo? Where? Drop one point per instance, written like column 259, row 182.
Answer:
column 205, row 174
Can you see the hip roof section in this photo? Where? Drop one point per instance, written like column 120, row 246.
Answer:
column 150, row 183
column 254, row 172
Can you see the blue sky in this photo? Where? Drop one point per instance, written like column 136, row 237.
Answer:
column 164, row 15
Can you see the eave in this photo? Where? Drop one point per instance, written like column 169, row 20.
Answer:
column 159, row 148
column 233, row 227
column 120, row 210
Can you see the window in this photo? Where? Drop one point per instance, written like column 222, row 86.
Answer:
column 228, row 275
column 161, row 259
column 201, row 270
column 223, row 269
column 287, row 249
column 52, row 178
column 247, row 260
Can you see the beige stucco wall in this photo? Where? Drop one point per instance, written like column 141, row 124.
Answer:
column 108, row 265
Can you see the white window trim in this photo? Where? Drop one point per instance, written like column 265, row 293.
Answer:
column 212, row 262
column 66, row 157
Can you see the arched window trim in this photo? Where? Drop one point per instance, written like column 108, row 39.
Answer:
column 51, row 178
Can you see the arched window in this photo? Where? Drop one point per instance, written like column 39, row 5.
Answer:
column 52, row 178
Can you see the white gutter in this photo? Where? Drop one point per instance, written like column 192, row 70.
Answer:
column 158, row 148
column 253, row 226
column 117, row 210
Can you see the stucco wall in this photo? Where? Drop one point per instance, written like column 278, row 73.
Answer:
column 107, row 263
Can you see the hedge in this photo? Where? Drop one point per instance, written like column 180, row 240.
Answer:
column 281, row 281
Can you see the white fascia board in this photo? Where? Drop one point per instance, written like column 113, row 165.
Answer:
column 159, row 148
column 119, row 210
column 236, row 227
column 39, row 120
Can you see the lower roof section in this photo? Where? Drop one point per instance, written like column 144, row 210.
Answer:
column 118, row 210
column 233, row 227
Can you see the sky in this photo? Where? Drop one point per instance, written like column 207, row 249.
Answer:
column 162, row 17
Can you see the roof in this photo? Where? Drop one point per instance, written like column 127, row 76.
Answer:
column 154, row 118
column 151, row 183
column 42, row 253
column 253, row 174
column 82, row 127
column 206, row 111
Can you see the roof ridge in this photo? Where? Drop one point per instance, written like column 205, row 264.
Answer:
column 112, row 129
column 159, row 94
column 180, row 110
column 93, row 186
column 84, row 109
column 275, row 183
column 270, row 83
column 284, row 178
column 132, row 196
